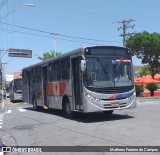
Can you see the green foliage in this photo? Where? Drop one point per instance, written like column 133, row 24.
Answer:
column 48, row 55
column 144, row 71
column 139, row 89
column 152, row 86
column 146, row 46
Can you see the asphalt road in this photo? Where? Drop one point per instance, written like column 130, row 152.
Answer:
column 20, row 125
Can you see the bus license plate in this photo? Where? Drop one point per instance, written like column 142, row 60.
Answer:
column 116, row 104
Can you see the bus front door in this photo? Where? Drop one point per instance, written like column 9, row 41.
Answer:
column 77, row 83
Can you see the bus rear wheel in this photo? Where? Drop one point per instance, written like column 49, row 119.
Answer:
column 67, row 109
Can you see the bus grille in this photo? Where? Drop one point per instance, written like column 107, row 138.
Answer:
column 109, row 106
column 111, row 90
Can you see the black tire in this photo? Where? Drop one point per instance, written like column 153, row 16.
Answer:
column 108, row 113
column 67, row 109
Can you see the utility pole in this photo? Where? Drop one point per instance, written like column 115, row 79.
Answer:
column 125, row 26
column 54, row 41
column 0, row 71
column 1, row 67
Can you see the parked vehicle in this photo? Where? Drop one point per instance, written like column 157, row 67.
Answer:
column 16, row 90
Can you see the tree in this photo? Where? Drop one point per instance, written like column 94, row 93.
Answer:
column 144, row 71
column 146, row 46
column 48, row 55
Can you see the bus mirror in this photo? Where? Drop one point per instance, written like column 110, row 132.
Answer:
column 83, row 65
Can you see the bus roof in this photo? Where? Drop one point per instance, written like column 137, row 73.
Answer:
column 78, row 51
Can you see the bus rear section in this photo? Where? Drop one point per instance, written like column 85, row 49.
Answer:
column 16, row 90
column 91, row 79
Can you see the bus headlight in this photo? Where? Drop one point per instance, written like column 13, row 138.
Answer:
column 131, row 97
column 90, row 97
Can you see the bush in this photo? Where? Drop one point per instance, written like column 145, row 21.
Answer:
column 152, row 87
column 138, row 90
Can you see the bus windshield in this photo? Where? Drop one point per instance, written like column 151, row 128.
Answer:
column 108, row 72
column 18, row 84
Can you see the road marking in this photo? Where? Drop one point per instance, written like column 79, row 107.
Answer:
column 1, row 120
column 8, row 111
column 22, row 110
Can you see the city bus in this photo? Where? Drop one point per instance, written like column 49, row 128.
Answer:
column 89, row 79
column 16, row 90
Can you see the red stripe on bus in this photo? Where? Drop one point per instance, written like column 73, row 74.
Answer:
column 56, row 88
column 112, row 97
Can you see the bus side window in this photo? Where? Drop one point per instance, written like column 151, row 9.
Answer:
column 33, row 77
column 38, row 77
column 57, row 71
column 50, row 68
column 54, row 72
column 65, row 69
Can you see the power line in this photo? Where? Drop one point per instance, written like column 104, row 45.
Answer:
column 12, row 11
column 3, row 4
column 38, row 35
column 81, row 11
column 62, row 35
column 99, row 11
column 125, row 26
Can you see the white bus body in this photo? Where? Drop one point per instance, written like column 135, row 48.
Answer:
column 90, row 79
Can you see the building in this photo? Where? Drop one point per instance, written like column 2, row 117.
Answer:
column 17, row 75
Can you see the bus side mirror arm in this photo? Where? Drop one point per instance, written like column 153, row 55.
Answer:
column 83, row 64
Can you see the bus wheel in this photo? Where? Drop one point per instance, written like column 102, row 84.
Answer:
column 108, row 113
column 67, row 109
column 34, row 103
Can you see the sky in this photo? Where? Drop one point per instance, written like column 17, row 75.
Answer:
column 76, row 24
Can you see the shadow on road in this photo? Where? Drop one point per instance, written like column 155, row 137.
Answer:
column 86, row 117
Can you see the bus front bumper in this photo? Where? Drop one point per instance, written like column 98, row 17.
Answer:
column 98, row 105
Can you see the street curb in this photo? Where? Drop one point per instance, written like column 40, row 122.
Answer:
column 149, row 98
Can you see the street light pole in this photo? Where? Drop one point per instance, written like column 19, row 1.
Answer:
column 54, row 45
column 15, row 8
